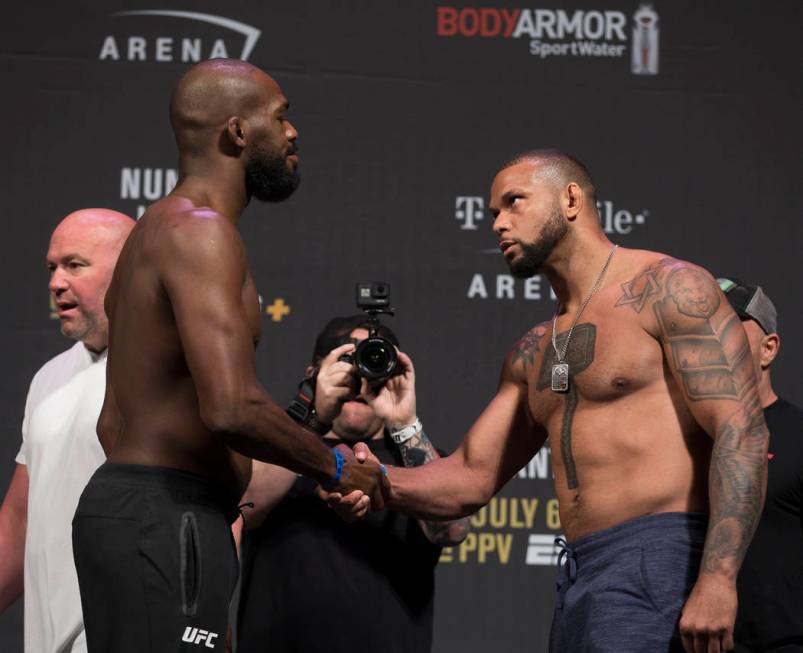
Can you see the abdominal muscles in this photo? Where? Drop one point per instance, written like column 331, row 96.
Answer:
column 634, row 456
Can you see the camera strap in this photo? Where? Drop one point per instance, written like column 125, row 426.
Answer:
column 302, row 407
column 302, row 403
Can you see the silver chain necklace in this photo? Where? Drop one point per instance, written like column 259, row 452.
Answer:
column 560, row 370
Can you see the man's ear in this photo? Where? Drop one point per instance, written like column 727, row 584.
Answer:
column 235, row 127
column 574, row 199
column 770, row 345
column 311, row 371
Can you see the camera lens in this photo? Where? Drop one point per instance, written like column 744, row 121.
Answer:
column 375, row 358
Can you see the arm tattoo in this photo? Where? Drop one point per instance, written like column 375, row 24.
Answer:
column 579, row 356
column 418, row 451
column 527, row 347
column 697, row 350
column 736, row 488
column 713, row 362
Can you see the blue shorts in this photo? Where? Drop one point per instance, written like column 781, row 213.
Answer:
column 622, row 589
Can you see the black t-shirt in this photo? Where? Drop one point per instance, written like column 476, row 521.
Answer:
column 313, row 583
column 770, row 582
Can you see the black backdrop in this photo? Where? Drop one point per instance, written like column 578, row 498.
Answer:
column 405, row 110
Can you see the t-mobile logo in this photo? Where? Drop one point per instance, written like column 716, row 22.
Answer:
column 468, row 209
column 199, row 636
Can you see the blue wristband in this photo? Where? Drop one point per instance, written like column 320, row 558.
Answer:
column 333, row 482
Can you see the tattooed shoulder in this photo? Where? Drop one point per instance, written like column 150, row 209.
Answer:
column 707, row 354
column 528, row 346
column 645, row 286
column 694, row 292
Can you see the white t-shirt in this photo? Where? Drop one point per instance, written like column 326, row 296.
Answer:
column 61, row 450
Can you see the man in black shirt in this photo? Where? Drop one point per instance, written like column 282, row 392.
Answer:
column 313, row 583
column 770, row 583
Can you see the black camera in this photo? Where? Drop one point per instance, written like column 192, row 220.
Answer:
column 375, row 357
column 373, row 297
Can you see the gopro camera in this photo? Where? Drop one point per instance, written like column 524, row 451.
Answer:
column 375, row 357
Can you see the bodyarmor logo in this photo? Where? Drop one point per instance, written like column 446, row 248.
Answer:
column 560, row 32
column 468, row 209
column 167, row 48
column 645, row 41
column 199, row 636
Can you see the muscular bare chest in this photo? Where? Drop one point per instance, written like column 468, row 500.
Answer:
column 607, row 357
column 594, row 377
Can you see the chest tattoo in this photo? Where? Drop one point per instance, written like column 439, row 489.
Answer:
column 579, row 356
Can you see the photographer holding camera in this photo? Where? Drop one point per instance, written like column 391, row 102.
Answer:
column 312, row 582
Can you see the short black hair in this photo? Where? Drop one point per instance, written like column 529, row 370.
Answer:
column 337, row 330
column 562, row 167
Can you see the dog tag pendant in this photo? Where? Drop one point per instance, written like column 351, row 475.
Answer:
column 560, row 377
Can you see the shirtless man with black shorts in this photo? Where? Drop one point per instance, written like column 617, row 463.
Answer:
column 184, row 412
column 648, row 399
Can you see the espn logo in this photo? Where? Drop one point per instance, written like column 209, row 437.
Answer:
column 199, row 636
column 542, row 550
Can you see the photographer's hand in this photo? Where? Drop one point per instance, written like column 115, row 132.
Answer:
column 336, row 383
column 394, row 402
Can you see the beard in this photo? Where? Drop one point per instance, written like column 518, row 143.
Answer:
column 267, row 177
column 533, row 255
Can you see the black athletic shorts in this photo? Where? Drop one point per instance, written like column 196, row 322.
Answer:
column 156, row 560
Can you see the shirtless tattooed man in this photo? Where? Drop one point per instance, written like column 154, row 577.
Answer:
column 184, row 412
column 644, row 388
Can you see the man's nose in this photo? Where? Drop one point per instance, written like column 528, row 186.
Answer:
column 500, row 224
column 291, row 133
column 58, row 281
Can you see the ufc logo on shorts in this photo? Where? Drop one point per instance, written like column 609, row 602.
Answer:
column 199, row 636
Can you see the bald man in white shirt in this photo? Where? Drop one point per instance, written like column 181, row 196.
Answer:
column 60, row 448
